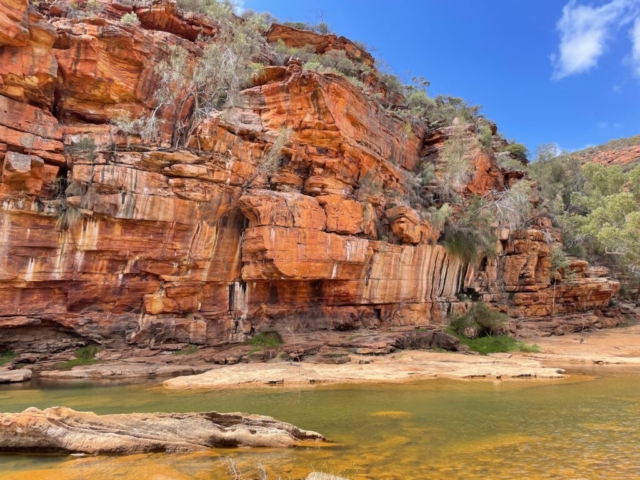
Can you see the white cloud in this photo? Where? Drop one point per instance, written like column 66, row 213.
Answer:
column 635, row 38
column 585, row 31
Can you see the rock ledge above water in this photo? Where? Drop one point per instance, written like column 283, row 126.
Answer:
column 63, row 430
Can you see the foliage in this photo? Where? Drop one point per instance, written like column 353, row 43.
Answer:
column 190, row 350
column 513, row 206
column 470, row 231
column 320, row 27
column 479, row 321
column 456, row 168
column 587, row 154
column 334, row 61
column 208, row 82
column 485, row 135
column 370, row 184
column 597, row 207
column 558, row 176
column 497, row 344
column 272, row 160
column 268, row 338
column 6, row 357
column 84, row 148
column 68, row 216
column 518, row 150
column 130, row 18
column 84, row 356
column 259, row 21
column 510, row 164
column 559, row 260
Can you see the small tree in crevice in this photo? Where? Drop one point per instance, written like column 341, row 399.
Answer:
column 456, row 168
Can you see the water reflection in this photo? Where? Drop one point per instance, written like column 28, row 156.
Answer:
column 435, row 429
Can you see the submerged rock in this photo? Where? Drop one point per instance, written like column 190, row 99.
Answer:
column 63, row 430
column 324, row 476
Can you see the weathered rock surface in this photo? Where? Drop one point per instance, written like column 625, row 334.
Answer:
column 123, row 370
column 401, row 367
column 15, row 376
column 196, row 245
column 62, row 430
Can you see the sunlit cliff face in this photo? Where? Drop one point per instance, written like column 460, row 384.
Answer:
column 105, row 237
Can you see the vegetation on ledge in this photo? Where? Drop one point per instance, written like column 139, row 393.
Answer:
column 84, row 356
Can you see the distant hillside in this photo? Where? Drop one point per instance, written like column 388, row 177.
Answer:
column 622, row 151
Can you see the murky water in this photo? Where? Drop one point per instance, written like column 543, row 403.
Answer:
column 434, row 429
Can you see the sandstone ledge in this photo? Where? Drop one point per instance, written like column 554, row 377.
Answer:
column 63, row 430
column 402, row 367
column 123, row 370
column 15, row 376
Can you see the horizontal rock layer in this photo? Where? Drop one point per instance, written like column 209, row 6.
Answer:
column 199, row 244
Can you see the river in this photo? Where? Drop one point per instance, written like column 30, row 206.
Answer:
column 582, row 428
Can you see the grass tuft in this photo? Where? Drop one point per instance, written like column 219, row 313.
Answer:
column 84, row 356
column 6, row 357
column 497, row 344
column 190, row 350
column 268, row 338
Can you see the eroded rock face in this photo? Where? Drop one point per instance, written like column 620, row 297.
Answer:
column 62, row 430
column 198, row 245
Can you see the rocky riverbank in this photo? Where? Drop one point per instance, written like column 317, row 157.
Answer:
column 341, row 357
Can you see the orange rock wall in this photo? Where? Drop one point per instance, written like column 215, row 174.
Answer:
column 198, row 245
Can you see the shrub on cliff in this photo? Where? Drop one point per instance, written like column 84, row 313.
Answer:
column 470, row 232
column 321, row 27
column 130, row 18
column 513, row 207
column 479, row 321
column 517, row 150
column 206, row 83
column 456, row 167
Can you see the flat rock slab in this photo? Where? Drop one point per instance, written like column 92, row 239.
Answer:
column 15, row 376
column 63, row 430
column 124, row 370
column 401, row 367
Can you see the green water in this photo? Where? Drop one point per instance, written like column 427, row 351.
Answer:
column 434, row 429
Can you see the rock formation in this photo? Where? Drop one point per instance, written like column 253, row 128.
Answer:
column 624, row 152
column 61, row 430
column 196, row 244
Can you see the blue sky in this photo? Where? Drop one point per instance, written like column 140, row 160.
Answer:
column 557, row 71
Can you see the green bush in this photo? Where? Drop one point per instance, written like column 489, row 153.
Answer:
column 268, row 338
column 6, row 357
column 130, row 18
column 485, row 135
column 479, row 321
column 518, row 150
column 84, row 356
column 486, row 345
column 470, row 232
column 497, row 344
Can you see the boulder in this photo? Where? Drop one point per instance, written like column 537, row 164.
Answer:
column 62, row 430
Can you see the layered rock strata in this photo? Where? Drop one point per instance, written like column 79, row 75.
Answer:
column 62, row 430
column 197, row 244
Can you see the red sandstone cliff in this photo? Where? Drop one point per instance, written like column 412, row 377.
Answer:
column 624, row 152
column 195, row 245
